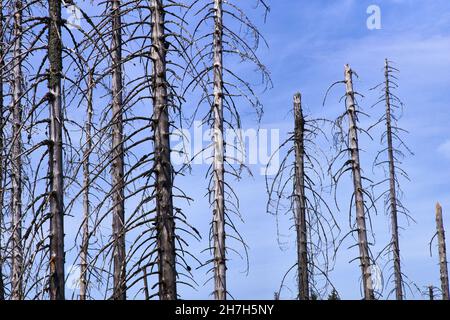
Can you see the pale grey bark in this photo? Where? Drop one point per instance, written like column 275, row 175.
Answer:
column 84, row 254
column 300, row 201
column 220, row 288
column 56, row 152
column 392, row 190
column 363, row 244
column 117, row 167
column 163, row 168
column 16, row 163
column 442, row 253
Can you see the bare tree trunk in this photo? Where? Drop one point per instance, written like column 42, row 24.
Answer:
column 86, row 187
column 300, row 201
column 117, row 154
column 16, row 196
column 146, row 291
column 442, row 252
column 357, row 182
column 220, row 288
column 392, row 191
column 431, row 292
column 2, row 164
column 56, row 153
column 163, row 167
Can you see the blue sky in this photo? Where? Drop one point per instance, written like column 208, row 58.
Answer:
column 309, row 43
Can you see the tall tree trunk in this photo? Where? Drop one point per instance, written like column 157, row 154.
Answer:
column 442, row 252
column 300, row 201
column 392, row 190
column 56, row 153
column 117, row 154
column 16, row 196
column 2, row 165
column 220, row 288
column 163, row 167
column 86, row 187
column 358, row 188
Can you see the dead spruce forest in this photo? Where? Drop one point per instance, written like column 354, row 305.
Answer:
column 89, row 106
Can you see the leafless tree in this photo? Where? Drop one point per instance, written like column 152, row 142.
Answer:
column 84, row 252
column 163, row 167
column 357, row 181
column 56, row 170
column 300, row 200
column 219, row 155
column 442, row 253
column 313, row 219
column 2, row 129
column 394, row 149
column 221, row 87
column 348, row 143
column 117, row 164
column 35, row 67
column 154, row 249
column 16, row 163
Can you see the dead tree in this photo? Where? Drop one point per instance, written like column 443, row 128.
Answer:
column 392, row 188
column 117, row 164
column 84, row 254
column 347, row 142
column 56, row 170
column 16, row 163
column 313, row 220
column 221, row 87
column 394, row 150
column 37, row 190
column 154, row 251
column 442, row 253
column 358, row 188
column 300, row 200
column 219, row 159
column 2, row 144
column 163, row 166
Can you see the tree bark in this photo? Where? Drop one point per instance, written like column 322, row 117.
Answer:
column 442, row 252
column 16, row 170
column 163, row 168
column 220, row 289
column 300, row 201
column 358, row 188
column 86, row 186
column 56, row 153
column 392, row 190
column 431, row 292
column 2, row 164
column 118, row 155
